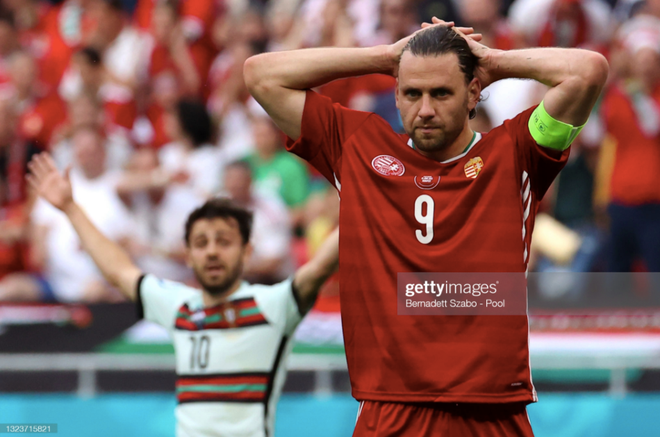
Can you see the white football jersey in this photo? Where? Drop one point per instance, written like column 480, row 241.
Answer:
column 229, row 357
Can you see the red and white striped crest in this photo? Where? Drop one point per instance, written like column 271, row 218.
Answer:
column 473, row 167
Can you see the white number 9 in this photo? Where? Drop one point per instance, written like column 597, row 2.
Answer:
column 425, row 219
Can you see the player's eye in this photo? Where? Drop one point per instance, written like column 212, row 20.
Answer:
column 440, row 93
column 200, row 243
column 224, row 242
column 413, row 93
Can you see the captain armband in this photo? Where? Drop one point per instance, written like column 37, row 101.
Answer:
column 549, row 132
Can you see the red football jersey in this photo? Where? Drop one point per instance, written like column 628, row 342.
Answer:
column 484, row 201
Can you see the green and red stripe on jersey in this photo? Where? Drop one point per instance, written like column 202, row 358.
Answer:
column 237, row 313
column 228, row 387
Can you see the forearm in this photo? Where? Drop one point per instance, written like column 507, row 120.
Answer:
column 575, row 77
column 113, row 262
column 308, row 68
column 277, row 80
column 310, row 277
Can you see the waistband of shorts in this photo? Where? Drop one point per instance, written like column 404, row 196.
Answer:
column 505, row 408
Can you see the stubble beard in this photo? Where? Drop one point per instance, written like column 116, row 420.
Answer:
column 224, row 286
column 430, row 145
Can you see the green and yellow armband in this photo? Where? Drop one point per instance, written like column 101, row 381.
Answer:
column 549, row 132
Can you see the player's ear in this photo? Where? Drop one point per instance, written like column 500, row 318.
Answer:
column 396, row 93
column 474, row 93
column 247, row 253
column 188, row 257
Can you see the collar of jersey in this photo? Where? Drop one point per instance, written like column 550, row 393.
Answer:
column 475, row 139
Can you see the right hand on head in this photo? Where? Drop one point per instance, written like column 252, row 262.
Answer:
column 396, row 50
column 49, row 183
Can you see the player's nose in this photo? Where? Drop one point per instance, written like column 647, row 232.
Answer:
column 426, row 109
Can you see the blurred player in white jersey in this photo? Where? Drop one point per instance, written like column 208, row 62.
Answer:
column 232, row 338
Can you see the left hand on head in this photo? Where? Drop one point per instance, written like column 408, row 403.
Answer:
column 485, row 70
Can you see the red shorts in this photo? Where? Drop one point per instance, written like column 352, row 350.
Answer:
column 385, row 419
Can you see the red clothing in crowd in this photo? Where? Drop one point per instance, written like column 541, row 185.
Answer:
column 636, row 173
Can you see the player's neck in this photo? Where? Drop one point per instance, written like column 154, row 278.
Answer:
column 460, row 145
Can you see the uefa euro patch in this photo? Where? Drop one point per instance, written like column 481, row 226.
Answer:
column 388, row 165
column 473, row 167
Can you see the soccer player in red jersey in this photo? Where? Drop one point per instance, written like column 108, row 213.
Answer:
column 441, row 198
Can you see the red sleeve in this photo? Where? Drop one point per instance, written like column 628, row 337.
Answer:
column 325, row 129
column 540, row 163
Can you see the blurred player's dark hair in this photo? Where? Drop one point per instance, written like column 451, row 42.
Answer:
column 221, row 207
column 195, row 121
column 440, row 40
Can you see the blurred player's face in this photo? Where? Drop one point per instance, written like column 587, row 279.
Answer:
column 163, row 20
column 434, row 101
column 238, row 183
column 645, row 66
column 480, row 13
column 266, row 137
column 23, row 72
column 216, row 254
column 89, row 151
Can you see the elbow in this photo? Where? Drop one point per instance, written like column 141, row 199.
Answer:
column 596, row 70
column 253, row 74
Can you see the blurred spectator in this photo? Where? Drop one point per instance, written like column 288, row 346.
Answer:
column 191, row 150
column 69, row 275
column 39, row 112
column 562, row 23
column 276, row 172
column 8, row 44
column 86, row 110
column 167, row 50
column 110, row 64
column 15, row 153
column 14, row 156
column 197, row 18
column 271, row 240
column 149, row 129
column 322, row 18
column 322, row 216
column 52, row 33
column 160, row 207
column 226, row 77
column 485, row 16
column 169, row 72
column 397, row 19
column 631, row 115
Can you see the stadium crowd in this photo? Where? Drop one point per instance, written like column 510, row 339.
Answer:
column 145, row 101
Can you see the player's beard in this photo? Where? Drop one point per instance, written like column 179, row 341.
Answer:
column 444, row 136
column 440, row 141
column 225, row 284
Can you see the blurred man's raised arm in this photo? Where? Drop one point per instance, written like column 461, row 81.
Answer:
column 309, row 278
column 113, row 262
